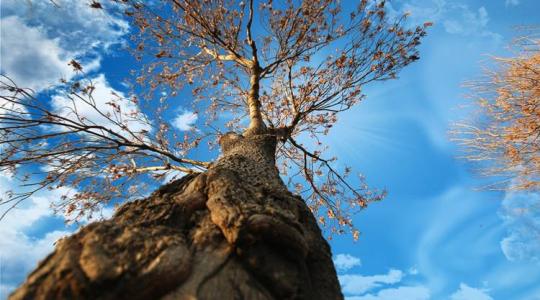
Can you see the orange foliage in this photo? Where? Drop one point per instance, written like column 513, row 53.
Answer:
column 507, row 136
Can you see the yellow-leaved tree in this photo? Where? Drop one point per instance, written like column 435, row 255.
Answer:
column 504, row 138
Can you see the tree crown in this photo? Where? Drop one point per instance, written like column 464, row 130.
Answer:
column 284, row 68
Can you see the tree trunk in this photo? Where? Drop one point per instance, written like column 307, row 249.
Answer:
column 233, row 232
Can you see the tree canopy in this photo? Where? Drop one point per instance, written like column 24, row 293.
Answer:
column 284, row 68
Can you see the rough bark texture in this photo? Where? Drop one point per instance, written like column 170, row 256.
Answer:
column 234, row 232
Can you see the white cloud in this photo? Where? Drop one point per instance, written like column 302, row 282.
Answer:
column 5, row 289
column 358, row 284
column 29, row 58
column 8, row 108
column 466, row 292
column 78, row 27
column 401, row 293
column 511, row 2
column 30, row 211
column 102, row 95
column 39, row 39
column 521, row 216
column 19, row 252
column 344, row 262
column 185, row 120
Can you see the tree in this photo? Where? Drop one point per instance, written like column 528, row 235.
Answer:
column 230, row 227
column 506, row 136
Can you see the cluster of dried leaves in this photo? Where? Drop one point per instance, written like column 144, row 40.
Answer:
column 506, row 136
column 288, row 74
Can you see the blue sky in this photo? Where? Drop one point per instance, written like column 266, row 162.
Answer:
column 433, row 237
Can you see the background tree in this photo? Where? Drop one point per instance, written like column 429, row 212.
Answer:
column 505, row 138
column 282, row 80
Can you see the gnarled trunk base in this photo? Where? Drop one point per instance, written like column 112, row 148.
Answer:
column 233, row 232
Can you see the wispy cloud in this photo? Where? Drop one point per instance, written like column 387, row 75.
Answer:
column 455, row 16
column 521, row 214
column 468, row 22
column 457, row 225
column 511, row 2
column 462, row 221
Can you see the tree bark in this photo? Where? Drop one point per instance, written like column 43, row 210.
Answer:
column 233, row 232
